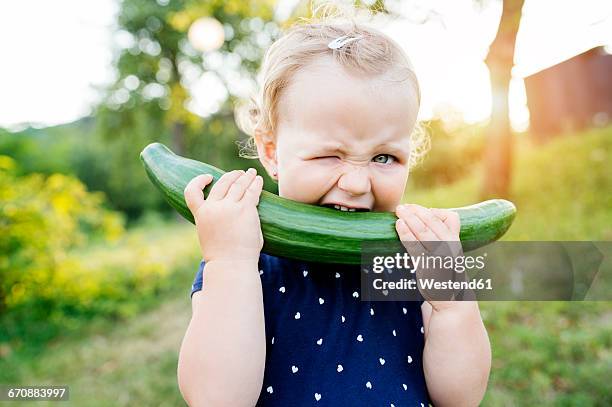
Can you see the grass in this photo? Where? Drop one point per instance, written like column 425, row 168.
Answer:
column 544, row 353
column 126, row 363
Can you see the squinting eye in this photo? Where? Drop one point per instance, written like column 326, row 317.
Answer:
column 383, row 159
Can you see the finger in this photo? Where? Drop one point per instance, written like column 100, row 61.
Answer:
column 253, row 192
column 408, row 239
column 455, row 221
column 432, row 221
column 403, row 231
column 236, row 191
column 422, row 232
column 417, row 226
column 450, row 218
column 219, row 190
column 420, row 229
column 194, row 197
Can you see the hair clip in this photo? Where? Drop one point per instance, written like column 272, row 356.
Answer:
column 342, row 41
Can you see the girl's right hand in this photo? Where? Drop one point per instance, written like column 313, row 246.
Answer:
column 227, row 221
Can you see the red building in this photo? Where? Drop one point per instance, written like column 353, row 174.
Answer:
column 572, row 95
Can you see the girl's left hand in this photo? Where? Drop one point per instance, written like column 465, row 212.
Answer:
column 431, row 232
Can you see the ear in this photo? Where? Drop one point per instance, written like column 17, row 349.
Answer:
column 266, row 150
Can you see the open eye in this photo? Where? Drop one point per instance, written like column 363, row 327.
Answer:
column 384, row 159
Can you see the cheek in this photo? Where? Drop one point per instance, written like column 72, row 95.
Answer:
column 304, row 182
column 389, row 188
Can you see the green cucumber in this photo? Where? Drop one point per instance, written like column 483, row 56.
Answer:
column 305, row 232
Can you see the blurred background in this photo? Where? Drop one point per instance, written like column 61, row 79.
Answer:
column 96, row 269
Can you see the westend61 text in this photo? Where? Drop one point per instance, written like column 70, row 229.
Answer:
column 432, row 284
column 431, row 262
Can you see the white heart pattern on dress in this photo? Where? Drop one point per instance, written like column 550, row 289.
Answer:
column 360, row 338
column 270, row 389
column 356, row 294
column 297, row 315
column 369, row 385
column 319, row 341
column 409, row 359
column 381, row 360
column 317, row 396
column 294, row 369
column 340, row 368
column 321, row 301
column 305, row 272
column 282, row 289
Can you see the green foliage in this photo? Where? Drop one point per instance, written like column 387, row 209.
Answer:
column 111, row 278
column 453, row 154
column 102, row 165
column 112, row 166
column 41, row 219
column 575, row 169
column 48, row 150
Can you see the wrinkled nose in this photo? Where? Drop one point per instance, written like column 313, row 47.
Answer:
column 355, row 181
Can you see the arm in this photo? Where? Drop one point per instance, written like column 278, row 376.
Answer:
column 457, row 353
column 455, row 338
column 222, row 356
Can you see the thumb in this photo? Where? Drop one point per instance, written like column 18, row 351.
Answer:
column 194, row 197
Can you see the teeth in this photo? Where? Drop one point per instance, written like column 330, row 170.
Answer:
column 344, row 208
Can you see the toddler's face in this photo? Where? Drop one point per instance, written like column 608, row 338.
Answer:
column 342, row 139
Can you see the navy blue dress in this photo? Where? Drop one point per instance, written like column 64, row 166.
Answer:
column 326, row 347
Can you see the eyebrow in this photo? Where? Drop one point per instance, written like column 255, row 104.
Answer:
column 394, row 147
column 327, row 147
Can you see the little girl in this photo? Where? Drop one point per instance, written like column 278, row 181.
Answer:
column 334, row 126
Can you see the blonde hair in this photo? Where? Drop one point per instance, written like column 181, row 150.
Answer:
column 373, row 54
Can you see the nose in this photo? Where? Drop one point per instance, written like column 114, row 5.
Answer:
column 355, row 181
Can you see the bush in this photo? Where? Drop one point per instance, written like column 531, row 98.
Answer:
column 41, row 219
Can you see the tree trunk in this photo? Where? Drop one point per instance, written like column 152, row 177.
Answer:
column 498, row 151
